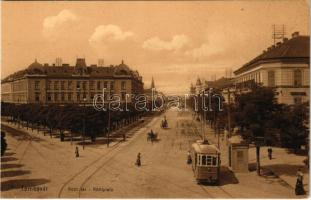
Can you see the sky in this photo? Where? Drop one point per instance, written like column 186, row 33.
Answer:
column 173, row 42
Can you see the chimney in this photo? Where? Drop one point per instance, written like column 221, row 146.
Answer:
column 285, row 39
column 264, row 51
column 46, row 65
column 269, row 48
column 80, row 62
column 295, row 34
column 278, row 44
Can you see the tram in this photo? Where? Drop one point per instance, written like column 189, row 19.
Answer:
column 205, row 162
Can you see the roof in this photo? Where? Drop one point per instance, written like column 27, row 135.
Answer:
column 81, row 69
column 296, row 49
column 205, row 148
column 220, row 83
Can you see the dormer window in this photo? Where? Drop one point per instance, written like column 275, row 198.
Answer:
column 297, row 78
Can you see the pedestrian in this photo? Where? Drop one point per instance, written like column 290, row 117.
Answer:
column 270, row 153
column 77, row 152
column 189, row 160
column 299, row 190
column 138, row 161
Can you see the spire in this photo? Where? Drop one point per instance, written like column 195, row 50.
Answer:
column 152, row 83
column 122, row 62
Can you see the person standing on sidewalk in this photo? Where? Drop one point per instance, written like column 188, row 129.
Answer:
column 138, row 162
column 299, row 190
column 77, row 152
column 270, row 153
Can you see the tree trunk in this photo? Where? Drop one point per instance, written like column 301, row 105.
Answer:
column 258, row 159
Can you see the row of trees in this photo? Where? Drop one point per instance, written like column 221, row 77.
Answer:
column 73, row 118
column 258, row 115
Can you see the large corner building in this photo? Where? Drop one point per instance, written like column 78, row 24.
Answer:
column 284, row 66
column 64, row 84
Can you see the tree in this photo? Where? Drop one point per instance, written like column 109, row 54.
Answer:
column 254, row 113
column 3, row 143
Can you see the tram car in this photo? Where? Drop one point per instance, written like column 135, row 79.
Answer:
column 205, row 162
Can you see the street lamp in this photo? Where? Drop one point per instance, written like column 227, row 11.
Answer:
column 84, row 102
column 18, row 118
column 108, row 133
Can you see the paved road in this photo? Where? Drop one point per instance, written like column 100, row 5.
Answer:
column 110, row 172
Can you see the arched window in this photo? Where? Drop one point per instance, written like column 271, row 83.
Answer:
column 297, row 77
column 271, row 79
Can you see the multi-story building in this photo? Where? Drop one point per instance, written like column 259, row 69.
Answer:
column 63, row 84
column 284, row 66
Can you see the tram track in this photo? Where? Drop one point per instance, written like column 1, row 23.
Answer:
column 107, row 161
column 194, row 128
column 113, row 167
column 95, row 162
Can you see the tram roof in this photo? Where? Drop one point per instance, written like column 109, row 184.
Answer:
column 201, row 147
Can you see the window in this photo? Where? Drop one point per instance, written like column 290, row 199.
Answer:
column 123, row 85
column 214, row 161
column 62, row 85
column 209, row 160
column 111, row 85
column 55, row 97
column 63, row 96
column 69, row 85
column 98, row 85
column 297, row 77
column 69, row 97
column 84, row 96
column 49, row 97
column 91, row 85
column 56, row 85
column 271, row 79
column 37, row 96
column 206, row 160
column 92, row 95
column 37, row 85
column 78, row 85
column 78, row 97
column 49, row 84
column 84, row 85
column 123, row 94
column 203, row 160
column 105, row 84
column 297, row 100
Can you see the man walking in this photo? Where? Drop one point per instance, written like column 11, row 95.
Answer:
column 270, row 153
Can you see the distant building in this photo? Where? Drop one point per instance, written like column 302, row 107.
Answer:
column 284, row 66
column 63, row 84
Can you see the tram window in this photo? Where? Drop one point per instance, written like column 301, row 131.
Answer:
column 214, row 161
column 209, row 160
column 203, row 160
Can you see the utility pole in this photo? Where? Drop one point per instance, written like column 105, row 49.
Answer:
column 84, row 119
column 229, row 113
column 108, row 125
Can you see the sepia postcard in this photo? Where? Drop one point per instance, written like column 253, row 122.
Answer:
column 155, row 99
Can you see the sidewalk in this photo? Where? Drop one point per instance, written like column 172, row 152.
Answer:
column 284, row 164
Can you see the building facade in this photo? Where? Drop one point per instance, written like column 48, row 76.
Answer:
column 284, row 66
column 64, row 84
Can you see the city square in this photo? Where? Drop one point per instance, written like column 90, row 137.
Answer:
column 186, row 100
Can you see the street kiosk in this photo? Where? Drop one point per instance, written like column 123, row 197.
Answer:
column 238, row 154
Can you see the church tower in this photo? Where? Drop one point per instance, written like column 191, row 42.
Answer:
column 152, row 84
